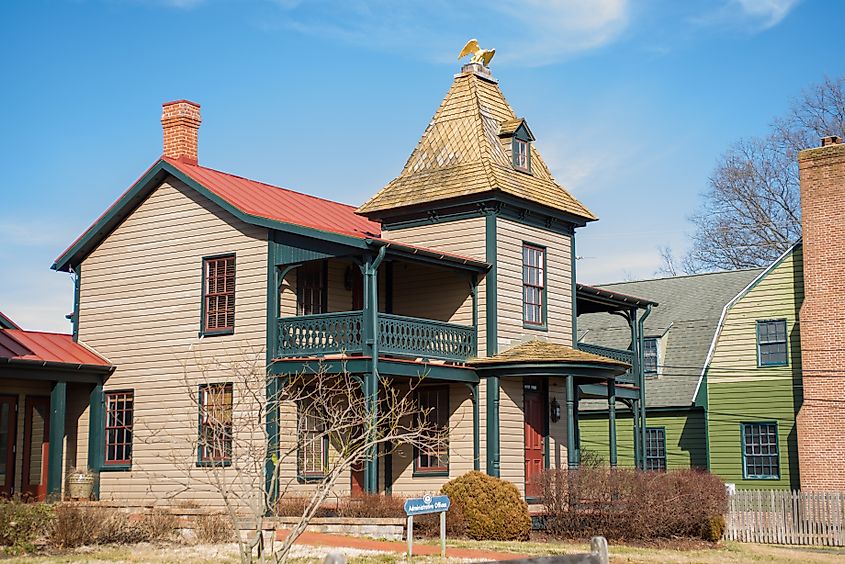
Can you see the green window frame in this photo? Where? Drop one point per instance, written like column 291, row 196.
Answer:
column 312, row 447
column 218, row 295
column 772, row 347
column 655, row 449
column 534, row 286
column 118, row 423
column 434, row 407
column 651, row 356
column 216, row 428
column 760, row 450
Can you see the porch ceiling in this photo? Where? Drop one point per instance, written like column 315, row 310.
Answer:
column 386, row 367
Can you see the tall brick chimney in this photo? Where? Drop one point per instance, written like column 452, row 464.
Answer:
column 821, row 419
column 180, row 122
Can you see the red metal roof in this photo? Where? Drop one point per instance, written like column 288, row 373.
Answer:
column 37, row 346
column 281, row 204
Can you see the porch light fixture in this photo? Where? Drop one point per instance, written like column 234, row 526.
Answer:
column 554, row 410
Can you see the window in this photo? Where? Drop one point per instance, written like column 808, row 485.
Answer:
column 533, row 285
column 655, row 449
column 521, row 154
column 760, row 451
column 119, row 415
column 312, row 288
column 650, row 356
column 312, row 451
column 215, row 429
column 771, row 342
column 218, row 295
column 434, row 404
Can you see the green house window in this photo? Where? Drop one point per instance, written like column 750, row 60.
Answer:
column 533, row 286
column 434, row 406
column 215, row 428
column 655, row 449
column 521, row 154
column 218, row 286
column 771, row 342
column 760, row 457
column 313, row 441
column 120, row 411
column 650, row 356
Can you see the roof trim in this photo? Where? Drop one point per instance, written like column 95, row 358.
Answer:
column 404, row 250
column 150, row 180
column 742, row 293
column 607, row 297
column 7, row 323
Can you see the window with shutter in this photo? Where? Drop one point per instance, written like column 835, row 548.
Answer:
column 312, row 288
column 218, row 295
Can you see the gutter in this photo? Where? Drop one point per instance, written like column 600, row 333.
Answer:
column 59, row 365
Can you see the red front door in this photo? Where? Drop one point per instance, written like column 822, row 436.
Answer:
column 36, row 446
column 8, row 434
column 357, row 485
column 534, row 419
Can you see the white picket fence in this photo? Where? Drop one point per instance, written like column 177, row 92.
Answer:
column 784, row 517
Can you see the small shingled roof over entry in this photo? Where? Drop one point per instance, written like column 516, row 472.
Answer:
column 537, row 351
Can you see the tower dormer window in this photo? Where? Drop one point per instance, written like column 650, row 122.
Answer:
column 521, row 155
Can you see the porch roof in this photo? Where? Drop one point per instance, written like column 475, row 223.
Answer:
column 37, row 348
column 545, row 358
column 592, row 299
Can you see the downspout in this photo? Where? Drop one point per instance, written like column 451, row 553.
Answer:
column 641, row 375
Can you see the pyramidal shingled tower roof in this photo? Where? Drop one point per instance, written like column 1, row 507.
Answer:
column 461, row 154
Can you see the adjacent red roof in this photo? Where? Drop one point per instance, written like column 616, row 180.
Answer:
column 280, row 204
column 37, row 346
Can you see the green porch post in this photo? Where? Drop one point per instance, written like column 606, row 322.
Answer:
column 571, row 455
column 611, row 420
column 491, row 313
column 58, row 405
column 476, row 432
column 371, row 348
column 96, row 428
column 640, row 363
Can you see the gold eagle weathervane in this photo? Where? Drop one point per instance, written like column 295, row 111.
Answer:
column 479, row 55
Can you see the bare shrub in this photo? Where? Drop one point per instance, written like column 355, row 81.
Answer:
column 213, row 528
column 158, row 525
column 21, row 524
column 75, row 525
column 372, row 506
column 624, row 504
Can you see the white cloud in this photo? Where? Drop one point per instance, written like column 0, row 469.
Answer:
column 749, row 15
column 533, row 32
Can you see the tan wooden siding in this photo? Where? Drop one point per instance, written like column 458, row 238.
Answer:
column 510, row 237
column 512, row 433
column 339, row 297
column 460, row 450
column 464, row 237
column 140, row 304
column 432, row 292
column 557, row 430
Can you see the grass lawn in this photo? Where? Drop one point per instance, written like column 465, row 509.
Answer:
column 725, row 553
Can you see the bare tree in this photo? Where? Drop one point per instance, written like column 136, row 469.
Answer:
column 751, row 212
column 248, row 466
column 668, row 262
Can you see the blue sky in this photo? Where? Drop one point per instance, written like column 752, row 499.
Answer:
column 631, row 101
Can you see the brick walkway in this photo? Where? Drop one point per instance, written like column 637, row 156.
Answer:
column 343, row 541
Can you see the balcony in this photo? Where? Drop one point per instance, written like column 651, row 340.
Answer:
column 398, row 335
column 615, row 354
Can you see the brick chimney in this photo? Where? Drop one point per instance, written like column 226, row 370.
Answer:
column 821, row 419
column 180, row 122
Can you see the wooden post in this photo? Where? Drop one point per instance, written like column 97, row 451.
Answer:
column 442, row 534
column 410, row 534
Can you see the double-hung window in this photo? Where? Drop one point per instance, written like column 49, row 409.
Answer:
column 120, row 409
column 313, row 441
column 771, row 342
column 760, row 457
column 521, row 154
column 434, row 408
column 215, row 432
column 218, row 295
column 655, row 449
column 533, row 286
column 312, row 288
column 650, row 356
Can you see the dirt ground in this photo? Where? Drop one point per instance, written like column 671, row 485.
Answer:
column 730, row 553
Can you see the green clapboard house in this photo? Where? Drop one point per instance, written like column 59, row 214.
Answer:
column 722, row 365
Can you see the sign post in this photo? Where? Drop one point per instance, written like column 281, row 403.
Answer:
column 421, row 506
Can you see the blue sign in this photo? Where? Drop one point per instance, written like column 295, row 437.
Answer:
column 427, row 504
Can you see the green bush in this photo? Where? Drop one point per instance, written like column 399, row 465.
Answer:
column 492, row 508
column 21, row 524
column 713, row 528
